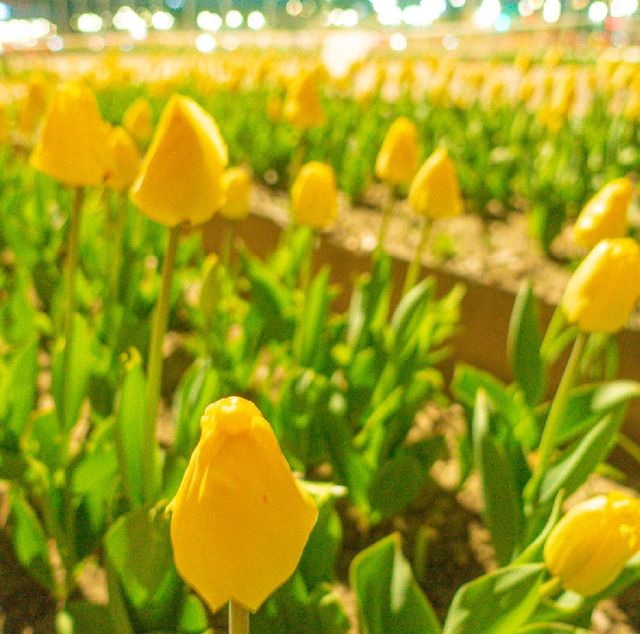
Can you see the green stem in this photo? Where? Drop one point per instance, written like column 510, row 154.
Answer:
column 154, row 367
column 117, row 236
column 70, row 268
column 631, row 447
column 227, row 244
column 386, row 218
column 238, row 618
column 304, row 282
column 558, row 407
column 298, row 156
column 416, row 263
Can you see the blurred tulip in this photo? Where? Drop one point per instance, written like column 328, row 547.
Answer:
column 435, row 192
column 274, row 108
column 591, row 544
column 605, row 215
column 314, row 196
column 32, row 108
column 137, row 120
column 240, row 519
column 302, row 106
column 605, row 287
column 125, row 160
column 397, row 161
column 72, row 146
column 181, row 176
column 236, row 182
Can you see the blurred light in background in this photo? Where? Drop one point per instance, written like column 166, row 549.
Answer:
column 598, row 11
column 5, row 11
column 551, row 11
column 162, row 21
column 205, row 43
column 503, row 23
column 89, row 23
column 25, row 32
column 208, row 21
column 234, row 19
column 398, row 42
column 487, row 13
column 623, row 8
column 256, row 20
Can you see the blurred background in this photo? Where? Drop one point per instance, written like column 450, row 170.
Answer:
column 448, row 24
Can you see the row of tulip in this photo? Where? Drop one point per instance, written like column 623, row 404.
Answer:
column 576, row 125
column 340, row 391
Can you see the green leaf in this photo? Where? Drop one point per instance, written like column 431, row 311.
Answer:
column 129, row 429
column 502, row 503
column 524, row 343
column 30, row 542
column 138, row 550
column 199, row 387
column 588, row 403
column 509, row 403
column 296, row 610
column 533, row 552
column 395, row 485
column 313, row 319
column 318, row 560
column 22, row 388
column 579, row 460
column 69, row 391
column 496, row 603
column 89, row 617
column 193, row 617
column 12, row 465
column 387, row 595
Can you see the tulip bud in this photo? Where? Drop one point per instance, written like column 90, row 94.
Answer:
column 314, row 196
column 605, row 215
column 435, row 192
column 591, row 544
column 72, row 146
column 237, row 186
column 397, row 161
column 125, row 160
column 181, row 176
column 240, row 519
column 605, row 287
column 302, row 106
column 137, row 120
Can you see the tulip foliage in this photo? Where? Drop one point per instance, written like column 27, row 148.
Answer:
column 213, row 427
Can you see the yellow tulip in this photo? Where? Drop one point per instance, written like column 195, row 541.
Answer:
column 302, row 106
column 314, row 196
column 72, row 146
column 181, row 176
column 605, row 287
column 137, row 120
column 237, row 186
column 435, row 192
column 397, row 161
column 274, row 108
column 240, row 519
column 5, row 125
column 605, row 215
column 591, row 544
column 34, row 105
column 125, row 160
